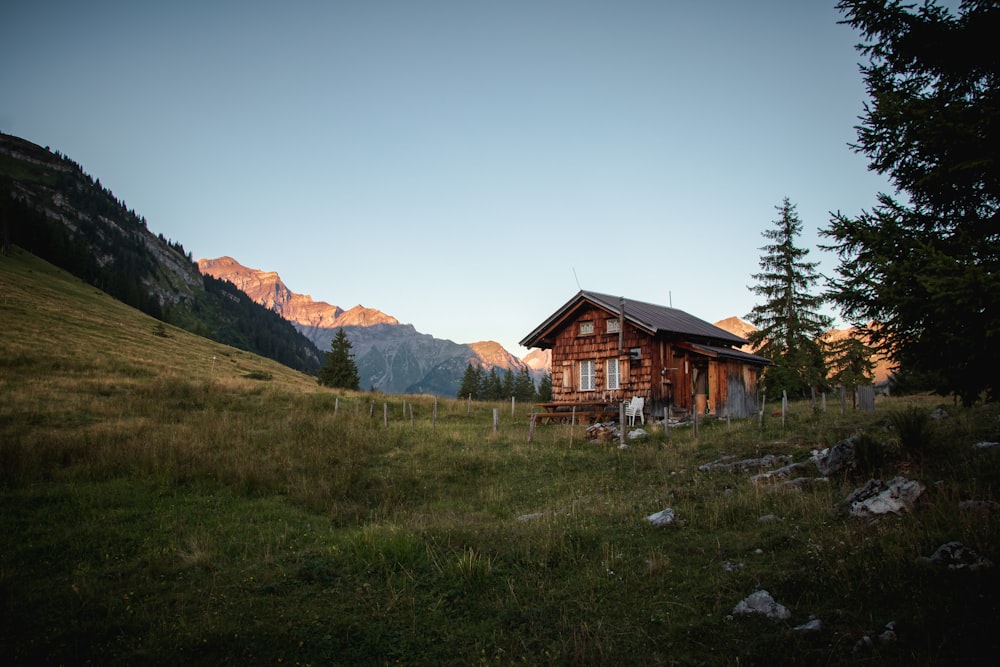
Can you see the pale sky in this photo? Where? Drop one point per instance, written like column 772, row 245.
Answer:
column 463, row 166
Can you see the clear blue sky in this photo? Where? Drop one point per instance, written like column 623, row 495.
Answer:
column 458, row 165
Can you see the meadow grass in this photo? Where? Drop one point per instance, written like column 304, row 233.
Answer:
column 159, row 508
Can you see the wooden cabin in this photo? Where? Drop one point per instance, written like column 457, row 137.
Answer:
column 611, row 348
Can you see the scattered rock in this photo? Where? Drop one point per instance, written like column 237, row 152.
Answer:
column 986, row 445
column 637, row 433
column 812, row 625
column 530, row 517
column 727, row 463
column 979, row 506
column 878, row 497
column 780, row 473
column 662, row 518
column 802, row 483
column 889, row 634
column 732, row 566
column 769, row 518
column 761, row 603
column 939, row 413
column 956, row 556
column 834, row 459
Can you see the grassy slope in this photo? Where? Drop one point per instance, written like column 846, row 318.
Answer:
column 162, row 508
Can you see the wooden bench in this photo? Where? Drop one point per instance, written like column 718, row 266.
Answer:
column 566, row 416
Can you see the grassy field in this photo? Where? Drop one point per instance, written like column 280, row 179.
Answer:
column 167, row 500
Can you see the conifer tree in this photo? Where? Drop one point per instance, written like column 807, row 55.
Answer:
column 507, row 384
column 472, row 382
column 851, row 362
column 339, row 369
column 545, row 388
column 919, row 274
column 789, row 324
column 492, row 385
column 524, row 386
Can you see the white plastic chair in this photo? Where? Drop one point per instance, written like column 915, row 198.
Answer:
column 633, row 409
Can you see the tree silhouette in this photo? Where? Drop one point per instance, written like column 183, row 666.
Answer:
column 339, row 369
column 919, row 274
column 788, row 323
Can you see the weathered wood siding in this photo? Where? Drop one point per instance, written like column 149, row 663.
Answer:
column 571, row 347
column 740, row 398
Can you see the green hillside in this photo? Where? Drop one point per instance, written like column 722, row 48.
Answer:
column 55, row 325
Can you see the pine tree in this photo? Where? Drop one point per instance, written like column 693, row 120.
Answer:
column 472, row 382
column 524, row 386
column 492, row 386
column 789, row 324
column 339, row 369
column 851, row 363
column 507, row 384
column 545, row 388
column 919, row 274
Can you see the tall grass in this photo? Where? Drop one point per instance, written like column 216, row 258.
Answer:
column 162, row 511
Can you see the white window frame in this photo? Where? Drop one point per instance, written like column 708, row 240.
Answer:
column 586, row 327
column 613, row 374
column 587, row 375
column 614, row 326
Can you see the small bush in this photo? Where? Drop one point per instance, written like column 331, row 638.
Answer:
column 259, row 375
column 912, row 427
column 870, row 454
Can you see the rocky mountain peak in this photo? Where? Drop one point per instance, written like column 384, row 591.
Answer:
column 267, row 289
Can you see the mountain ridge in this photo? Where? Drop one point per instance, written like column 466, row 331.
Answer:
column 391, row 356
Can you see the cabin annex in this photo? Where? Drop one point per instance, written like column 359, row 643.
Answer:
column 611, row 348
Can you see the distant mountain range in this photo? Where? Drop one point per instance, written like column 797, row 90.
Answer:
column 391, row 357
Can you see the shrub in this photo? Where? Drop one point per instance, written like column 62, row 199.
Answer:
column 870, row 454
column 912, row 427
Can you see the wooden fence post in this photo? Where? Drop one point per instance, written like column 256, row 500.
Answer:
column 531, row 428
column 434, row 419
column 496, row 420
column 621, row 423
column 385, row 414
column 784, row 407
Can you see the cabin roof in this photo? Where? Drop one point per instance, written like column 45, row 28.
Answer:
column 650, row 317
column 726, row 353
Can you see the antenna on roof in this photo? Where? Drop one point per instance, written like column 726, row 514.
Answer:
column 577, row 280
column 670, row 298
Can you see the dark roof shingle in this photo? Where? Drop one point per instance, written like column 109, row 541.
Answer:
column 648, row 316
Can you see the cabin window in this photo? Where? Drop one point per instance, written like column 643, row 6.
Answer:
column 635, row 353
column 587, row 375
column 586, row 328
column 613, row 326
column 613, row 374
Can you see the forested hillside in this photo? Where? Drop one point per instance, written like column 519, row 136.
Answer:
column 52, row 208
